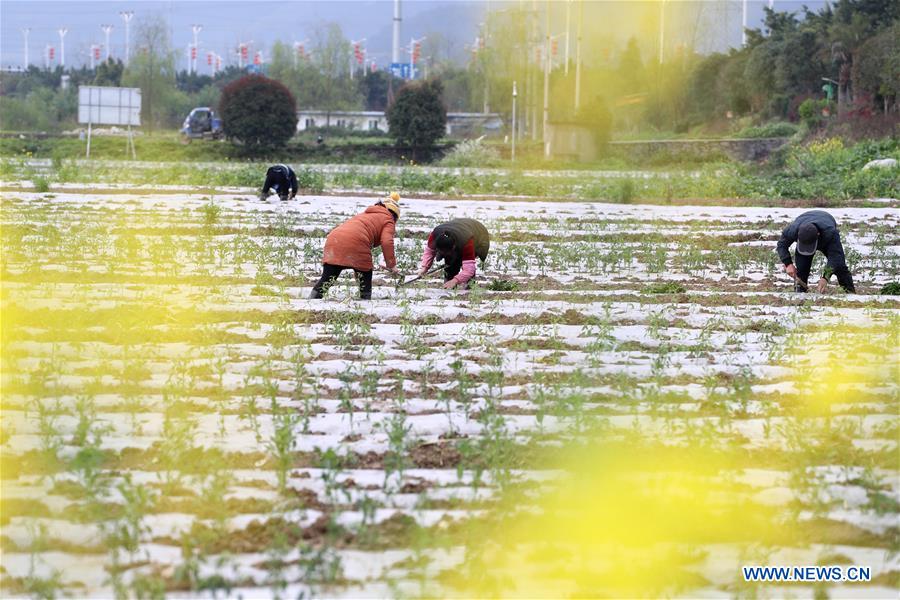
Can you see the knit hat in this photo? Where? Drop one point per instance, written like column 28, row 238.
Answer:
column 807, row 239
column 393, row 203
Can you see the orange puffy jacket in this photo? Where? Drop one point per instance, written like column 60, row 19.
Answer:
column 350, row 243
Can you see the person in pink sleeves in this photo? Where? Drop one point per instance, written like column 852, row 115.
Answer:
column 457, row 243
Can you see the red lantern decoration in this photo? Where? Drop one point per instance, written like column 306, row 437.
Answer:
column 51, row 51
column 417, row 52
column 193, row 52
column 96, row 52
column 257, row 59
column 244, row 51
column 209, row 58
column 554, row 47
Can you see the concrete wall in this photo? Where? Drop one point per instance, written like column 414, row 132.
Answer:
column 738, row 149
column 571, row 142
column 356, row 120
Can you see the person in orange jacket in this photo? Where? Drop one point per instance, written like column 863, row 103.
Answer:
column 349, row 246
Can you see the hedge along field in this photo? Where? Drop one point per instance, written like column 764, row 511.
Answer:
column 824, row 172
column 628, row 403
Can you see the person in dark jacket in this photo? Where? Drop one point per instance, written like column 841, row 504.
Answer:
column 814, row 230
column 457, row 243
column 282, row 179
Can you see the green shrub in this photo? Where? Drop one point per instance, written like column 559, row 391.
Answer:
column 503, row 285
column 41, row 185
column 258, row 112
column 810, row 111
column 891, row 289
column 769, row 130
column 311, row 181
column 417, row 116
column 471, row 153
column 664, row 287
column 624, row 193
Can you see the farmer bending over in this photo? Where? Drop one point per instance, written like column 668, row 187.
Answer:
column 457, row 243
column 814, row 230
column 349, row 246
column 282, row 179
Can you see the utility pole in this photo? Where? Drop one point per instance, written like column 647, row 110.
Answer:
column 107, row 29
column 744, row 23
column 25, row 32
column 395, row 48
column 482, row 56
column 513, row 154
column 243, row 52
column 534, row 94
column 568, row 24
column 546, row 72
column 662, row 29
column 126, row 16
column 62, row 46
column 196, row 29
column 578, row 56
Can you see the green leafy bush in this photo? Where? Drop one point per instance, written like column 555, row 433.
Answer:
column 503, row 285
column 417, row 116
column 810, row 111
column 624, row 193
column 471, row 153
column 258, row 112
column 769, row 130
column 41, row 184
column 664, row 287
column 891, row 289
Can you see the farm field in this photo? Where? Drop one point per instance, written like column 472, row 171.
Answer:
column 629, row 402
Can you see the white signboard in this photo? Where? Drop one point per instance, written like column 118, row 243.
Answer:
column 109, row 105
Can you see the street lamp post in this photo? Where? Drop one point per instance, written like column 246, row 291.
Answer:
column 356, row 55
column 126, row 16
column 568, row 24
column 662, row 29
column 196, row 29
column 25, row 32
column 62, row 46
column 546, row 72
column 515, row 93
column 578, row 56
column 412, row 55
column 107, row 29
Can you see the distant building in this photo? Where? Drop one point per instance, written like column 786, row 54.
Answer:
column 458, row 124
column 359, row 120
column 570, row 141
column 466, row 125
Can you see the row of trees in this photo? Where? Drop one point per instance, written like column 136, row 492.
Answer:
column 851, row 42
column 35, row 100
column 260, row 113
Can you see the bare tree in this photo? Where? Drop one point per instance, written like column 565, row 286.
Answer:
column 152, row 68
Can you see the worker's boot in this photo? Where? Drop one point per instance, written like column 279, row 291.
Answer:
column 799, row 288
column 263, row 197
column 315, row 294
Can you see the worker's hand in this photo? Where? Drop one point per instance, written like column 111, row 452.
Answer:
column 394, row 270
column 823, row 283
column 790, row 270
column 421, row 272
column 449, row 285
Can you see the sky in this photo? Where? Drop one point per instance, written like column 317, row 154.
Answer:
column 226, row 23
